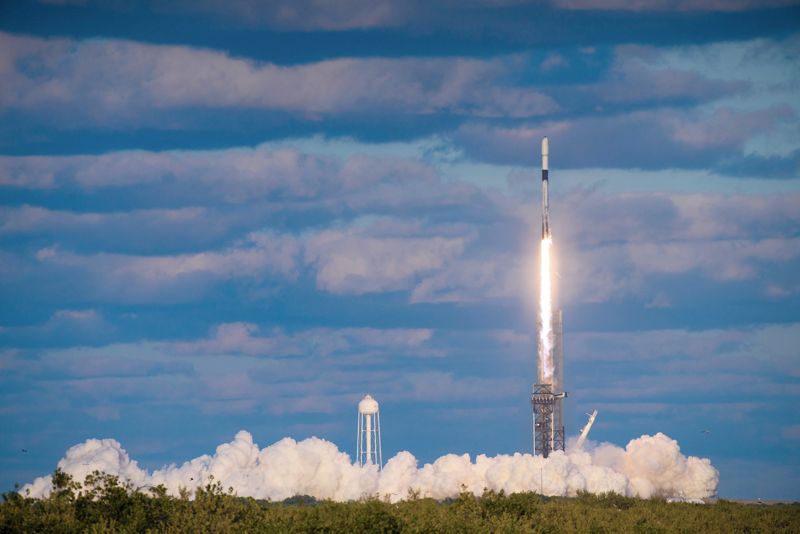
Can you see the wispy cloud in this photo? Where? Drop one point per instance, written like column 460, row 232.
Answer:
column 676, row 138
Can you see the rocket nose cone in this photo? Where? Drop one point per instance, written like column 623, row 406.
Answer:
column 545, row 147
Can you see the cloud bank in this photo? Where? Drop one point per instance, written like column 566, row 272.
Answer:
column 115, row 79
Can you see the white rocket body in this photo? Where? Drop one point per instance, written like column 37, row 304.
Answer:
column 545, row 193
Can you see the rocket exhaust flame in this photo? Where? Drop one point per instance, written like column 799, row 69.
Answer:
column 545, row 316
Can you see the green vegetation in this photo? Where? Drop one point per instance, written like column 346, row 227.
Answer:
column 104, row 504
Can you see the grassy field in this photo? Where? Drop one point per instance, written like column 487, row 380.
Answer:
column 102, row 504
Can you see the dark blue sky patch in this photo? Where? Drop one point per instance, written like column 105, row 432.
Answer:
column 776, row 167
column 429, row 30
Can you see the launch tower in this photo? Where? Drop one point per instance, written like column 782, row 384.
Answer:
column 548, row 393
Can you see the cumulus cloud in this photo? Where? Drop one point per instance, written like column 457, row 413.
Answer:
column 725, row 238
column 238, row 368
column 248, row 339
column 302, row 15
column 676, row 138
column 353, row 263
column 612, row 272
column 63, row 326
column 201, row 184
column 650, row 218
column 646, row 467
column 112, row 361
column 230, row 338
column 651, row 368
column 472, row 280
column 231, row 175
column 350, row 261
column 446, row 257
column 725, row 126
column 259, row 256
column 732, row 260
column 641, row 74
column 305, row 14
column 137, row 231
column 433, row 245
column 659, row 345
column 125, row 81
column 610, row 246
column 262, row 253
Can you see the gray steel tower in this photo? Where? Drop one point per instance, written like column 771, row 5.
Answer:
column 548, row 402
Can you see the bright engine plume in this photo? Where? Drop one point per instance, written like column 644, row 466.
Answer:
column 545, row 316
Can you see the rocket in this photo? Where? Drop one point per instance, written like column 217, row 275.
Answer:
column 545, row 196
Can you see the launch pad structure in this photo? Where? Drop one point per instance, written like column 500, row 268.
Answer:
column 547, row 401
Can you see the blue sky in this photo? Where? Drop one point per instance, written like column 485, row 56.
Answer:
column 234, row 215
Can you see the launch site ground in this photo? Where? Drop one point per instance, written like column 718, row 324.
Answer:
column 115, row 510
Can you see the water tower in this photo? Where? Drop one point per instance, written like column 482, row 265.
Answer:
column 368, row 448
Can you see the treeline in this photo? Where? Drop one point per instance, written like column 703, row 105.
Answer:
column 104, row 504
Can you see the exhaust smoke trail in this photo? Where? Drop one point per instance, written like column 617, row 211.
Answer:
column 648, row 466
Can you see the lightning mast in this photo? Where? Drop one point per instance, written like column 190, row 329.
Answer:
column 548, row 394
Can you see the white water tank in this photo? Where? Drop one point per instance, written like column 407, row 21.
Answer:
column 368, row 446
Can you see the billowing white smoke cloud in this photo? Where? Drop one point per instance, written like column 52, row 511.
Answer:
column 648, row 466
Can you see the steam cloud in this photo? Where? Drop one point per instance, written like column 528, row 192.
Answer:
column 647, row 466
